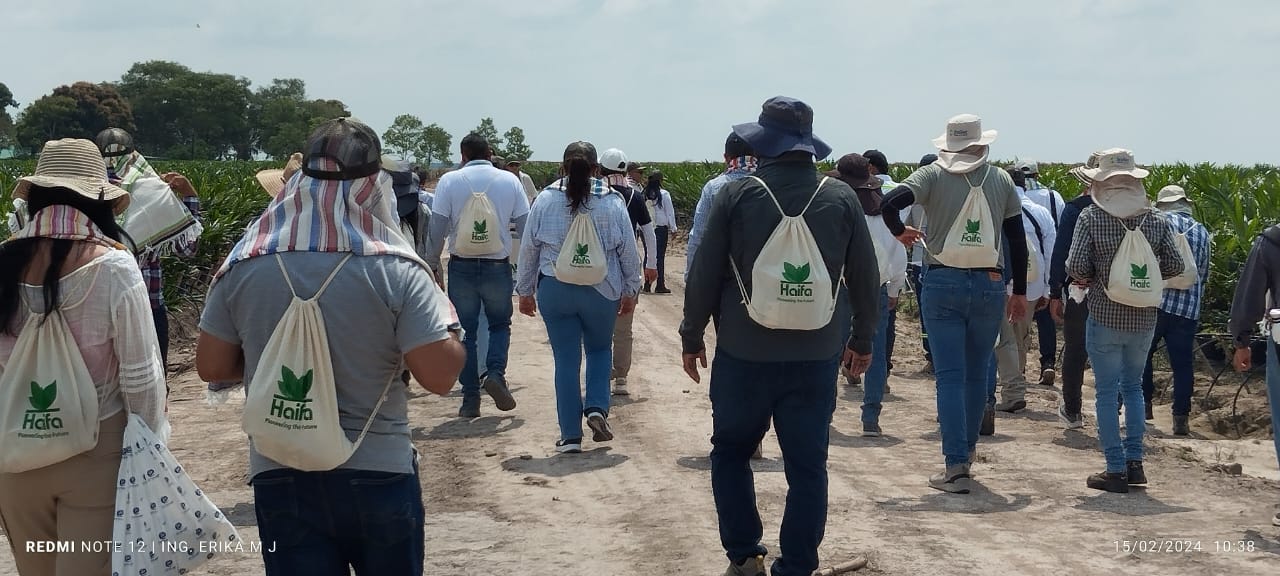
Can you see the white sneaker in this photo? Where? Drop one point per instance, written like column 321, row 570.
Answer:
column 620, row 387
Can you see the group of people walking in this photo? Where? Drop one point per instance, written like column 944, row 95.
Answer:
column 338, row 293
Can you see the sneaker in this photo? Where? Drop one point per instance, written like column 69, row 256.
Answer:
column 1012, row 406
column 1149, row 414
column 748, row 567
column 599, row 424
column 1109, row 482
column 953, row 480
column 870, row 429
column 662, row 290
column 497, row 389
column 648, row 288
column 1275, row 520
column 1180, row 425
column 1047, row 377
column 620, row 387
column 470, row 407
column 1073, row 421
column 1136, row 476
column 570, row 446
column 854, row 380
column 759, row 453
column 988, row 427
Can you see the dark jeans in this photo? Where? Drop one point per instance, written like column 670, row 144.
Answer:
column 1047, row 330
column 1074, row 354
column 161, row 317
column 1179, row 336
column 891, row 337
column 800, row 397
column 321, row 523
column 914, row 277
column 473, row 283
column 664, row 234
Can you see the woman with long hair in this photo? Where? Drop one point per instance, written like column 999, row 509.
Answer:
column 69, row 261
column 664, row 222
column 579, row 318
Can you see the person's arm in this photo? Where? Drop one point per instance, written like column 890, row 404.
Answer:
column 702, row 291
column 698, row 226
column 519, row 224
column 439, row 228
column 670, row 209
column 1250, row 301
column 628, row 258
column 1079, row 263
column 862, row 280
column 650, row 237
column 1016, row 236
column 432, row 352
column 527, row 267
column 892, row 204
column 133, row 338
column 1050, row 239
column 1061, row 249
column 219, row 356
column 1203, row 249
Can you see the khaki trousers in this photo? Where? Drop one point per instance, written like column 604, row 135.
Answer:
column 622, row 343
column 1011, row 356
column 72, row 501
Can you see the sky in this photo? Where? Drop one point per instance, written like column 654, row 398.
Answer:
column 665, row 80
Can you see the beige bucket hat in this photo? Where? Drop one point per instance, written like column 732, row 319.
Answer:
column 77, row 165
column 273, row 180
column 962, row 132
column 1114, row 162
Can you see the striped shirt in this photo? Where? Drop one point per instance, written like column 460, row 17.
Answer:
column 1186, row 303
column 1097, row 240
column 153, row 272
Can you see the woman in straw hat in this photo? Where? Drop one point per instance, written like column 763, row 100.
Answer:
column 69, row 259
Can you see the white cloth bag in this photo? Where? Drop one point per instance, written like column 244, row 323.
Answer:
column 1190, row 270
column 581, row 260
column 479, row 231
column 163, row 524
column 971, row 242
column 1135, row 272
column 48, row 403
column 291, row 405
column 790, row 286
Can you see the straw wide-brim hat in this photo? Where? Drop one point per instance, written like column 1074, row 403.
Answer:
column 1114, row 162
column 273, row 180
column 962, row 132
column 77, row 165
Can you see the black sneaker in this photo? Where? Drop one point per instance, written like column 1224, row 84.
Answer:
column 662, row 290
column 599, row 425
column 1137, row 476
column 470, row 407
column 988, row 427
column 570, row 446
column 1180, row 425
column 1012, row 406
column 870, row 429
column 1150, row 415
column 497, row 389
column 1109, row 482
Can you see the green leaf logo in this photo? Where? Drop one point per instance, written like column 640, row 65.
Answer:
column 581, row 250
column 42, row 398
column 480, row 227
column 793, row 274
column 1138, row 272
column 292, row 387
column 972, row 226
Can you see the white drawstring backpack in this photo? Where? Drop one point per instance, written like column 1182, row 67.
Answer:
column 291, row 405
column 581, row 260
column 479, row 231
column 48, row 403
column 1135, row 272
column 971, row 242
column 790, row 286
column 1190, row 270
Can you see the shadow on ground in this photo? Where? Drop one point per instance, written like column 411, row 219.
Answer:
column 562, row 465
column 242, row 514
column 1135, row 503
column 704, row 463
column 981, row 500
column 475, row 428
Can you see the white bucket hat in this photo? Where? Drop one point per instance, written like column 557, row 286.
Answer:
column 962, row 132
column 1114, row 162
column 76, row 165
column 1172, row 193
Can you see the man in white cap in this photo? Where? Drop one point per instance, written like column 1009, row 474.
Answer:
column 1179, row 315
column 613, row 167
column 1123, row 250
column 1052, row 202
column 972, row 208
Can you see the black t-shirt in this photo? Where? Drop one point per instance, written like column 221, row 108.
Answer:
column 635, row 206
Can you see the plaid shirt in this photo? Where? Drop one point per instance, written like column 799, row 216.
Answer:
column 1097, row 239
column 1186, row 303
column 153, row 274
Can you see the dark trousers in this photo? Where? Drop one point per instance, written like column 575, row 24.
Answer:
column 1179, row 335
column 1047, row 330
column 161, row 316
column 664, row 234
column 1074, row 355
column 891, row 337
column 800, row 397
column 321, row 523
column 913, row 276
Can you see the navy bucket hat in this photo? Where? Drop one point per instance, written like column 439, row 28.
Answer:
column 785, row 125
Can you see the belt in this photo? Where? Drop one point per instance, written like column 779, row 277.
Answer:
column 944, row 266
column 486, row 260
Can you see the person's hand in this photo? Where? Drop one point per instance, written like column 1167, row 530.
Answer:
column 650, row 275
column 627, row 306
column 1056, row 310
column 528, row 306
column 855, row 363
column 179, row 184
column 1016, row 308
column 691, row 362
column 1243, row 360
column 910, row 236
column 1042, row 303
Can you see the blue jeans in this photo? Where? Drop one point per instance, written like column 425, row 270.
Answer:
column 321, row 523
column 1047, row 331
column 1118, row 358
column 962, row 310
column 482, row 341
column 800, row 397
column 579, row 321
column 476, row 285
column 878, row 373
column 913, row 276
column 1273, row 391
column 1179, row 335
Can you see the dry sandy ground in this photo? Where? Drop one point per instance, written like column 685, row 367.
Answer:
column 500, row 503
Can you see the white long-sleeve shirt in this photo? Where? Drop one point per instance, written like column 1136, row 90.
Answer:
column 665, row 215
column 894, row 268
column 1039, row 249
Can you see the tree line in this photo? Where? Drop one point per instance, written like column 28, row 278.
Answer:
column 175, row 112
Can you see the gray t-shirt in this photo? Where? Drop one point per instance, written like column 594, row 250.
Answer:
column 942, row 194
column 377, row 309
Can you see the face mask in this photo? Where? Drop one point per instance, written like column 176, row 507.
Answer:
column 964, row 161
column 1121, row 197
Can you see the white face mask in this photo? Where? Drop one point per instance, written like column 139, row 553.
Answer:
column 964, row 161
column 1121, row 196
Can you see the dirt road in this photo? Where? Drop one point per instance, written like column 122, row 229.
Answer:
column 500, row 503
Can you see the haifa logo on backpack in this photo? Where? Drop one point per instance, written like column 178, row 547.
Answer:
column 580, row 256
column 1138, row 277
column 972, row 233
column 480, row 231
column 40, row 417
column 796, row 286
column 291, row 402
